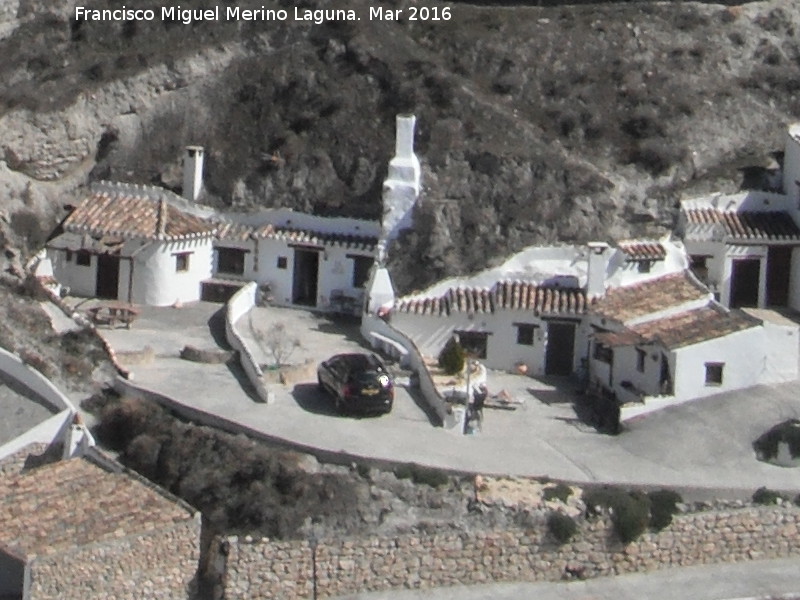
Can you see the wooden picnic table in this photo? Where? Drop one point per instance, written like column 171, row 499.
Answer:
column 112, row 314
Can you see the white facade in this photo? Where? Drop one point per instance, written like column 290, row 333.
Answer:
column 142, row 272
column 304, row 260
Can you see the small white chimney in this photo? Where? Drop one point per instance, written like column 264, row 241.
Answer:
column 193, row 172
column 596, row 280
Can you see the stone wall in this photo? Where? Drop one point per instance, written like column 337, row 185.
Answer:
column 264, row 569
column 157, row 564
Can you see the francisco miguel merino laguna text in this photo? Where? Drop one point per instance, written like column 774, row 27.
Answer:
column 231, row 13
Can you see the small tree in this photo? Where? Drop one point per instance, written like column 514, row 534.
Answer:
column 279, row 343
column 452, row 357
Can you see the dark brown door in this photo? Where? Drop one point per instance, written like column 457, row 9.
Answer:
column 305, row 276
column 559, row 354
column 779, row 266
column 744, row 282
column 107, row 276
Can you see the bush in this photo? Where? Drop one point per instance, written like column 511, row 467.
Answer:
column 560, row 491
column 452, row 357
column 766, row 496
column 630, row 510
column 562, row 527
column 663, row 505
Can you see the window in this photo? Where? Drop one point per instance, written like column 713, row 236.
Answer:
column 714, row 373
column 83, row 258
column 602, row 353
column 361, row 267
column 282, row 262
column 641, row 356
column 525, row 333
column 230, row 261
column 474, row 343
column 182, row 262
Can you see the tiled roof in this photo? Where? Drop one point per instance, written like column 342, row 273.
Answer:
column 129, row 214
column 682, row 329
column 746, row 225
column 239, row 232
column 638, row 300
column 509, row 295
column 641, row 250
column 75, row 502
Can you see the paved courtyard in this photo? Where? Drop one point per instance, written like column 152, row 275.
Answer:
column 704, row 444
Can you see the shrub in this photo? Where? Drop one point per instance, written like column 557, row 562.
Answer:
column 562, row 527
column 560, row 491
column 452, row 357
column 630, row 510
column 663, row 505
column 766, row 496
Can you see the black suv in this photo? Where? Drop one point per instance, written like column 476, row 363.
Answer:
column 358, row 383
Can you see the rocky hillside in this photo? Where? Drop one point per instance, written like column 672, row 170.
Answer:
column 535, row 123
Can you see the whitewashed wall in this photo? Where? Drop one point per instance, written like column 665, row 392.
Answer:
column 744, row 354
column 430, row 334
column 81, row 280
column 155, row 280
column 241, row 303
column 791, row 168
column 782, row 343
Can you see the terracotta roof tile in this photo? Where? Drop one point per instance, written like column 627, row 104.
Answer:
column 127, row 214
column 239, row 232
column 682, row 329
column 746, row 225
column 75, row 502
column 510, row 295
column 638, row 300
column 641, row 250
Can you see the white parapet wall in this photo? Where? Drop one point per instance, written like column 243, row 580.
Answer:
column 61, row 427
column 241, row 303
column 381, row 334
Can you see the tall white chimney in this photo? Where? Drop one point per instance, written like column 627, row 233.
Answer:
column 791, row 165
column 193, row 172
column 596, row 280
column 402, row 185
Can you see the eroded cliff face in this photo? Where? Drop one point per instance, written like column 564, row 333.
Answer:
column 535, row 124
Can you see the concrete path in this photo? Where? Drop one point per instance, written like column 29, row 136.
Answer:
column 772, row 579
column 704, row 444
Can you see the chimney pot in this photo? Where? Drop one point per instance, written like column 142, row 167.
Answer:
column 193, row 172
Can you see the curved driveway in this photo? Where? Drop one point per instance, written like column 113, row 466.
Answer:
column 704, row 444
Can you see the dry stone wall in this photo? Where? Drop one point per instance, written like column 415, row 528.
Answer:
column 158, row 564
column 285, row 570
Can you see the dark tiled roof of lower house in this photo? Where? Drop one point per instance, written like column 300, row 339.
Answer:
column 682, row 329
column 631, row 302
column 746, row 225
column 508, row 295
column 75, row 502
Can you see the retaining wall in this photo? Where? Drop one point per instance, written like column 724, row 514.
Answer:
column 413, row 357
column 241, row 303
column 265, row 569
